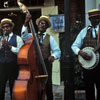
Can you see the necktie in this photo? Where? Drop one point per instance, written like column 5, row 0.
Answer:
column 41, row 37
column 94, row 32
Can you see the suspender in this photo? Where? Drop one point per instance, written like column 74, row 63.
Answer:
column 98, row 35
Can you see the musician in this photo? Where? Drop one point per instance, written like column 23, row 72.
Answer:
column 11, row 44
column 47, row 44
column 89, row 37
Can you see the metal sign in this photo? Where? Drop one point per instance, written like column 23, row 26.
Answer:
column 57, row 23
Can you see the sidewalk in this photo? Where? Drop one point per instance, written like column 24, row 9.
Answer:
column 7, row 93
column 58, row 92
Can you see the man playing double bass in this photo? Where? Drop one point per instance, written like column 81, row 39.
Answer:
column 47, row 44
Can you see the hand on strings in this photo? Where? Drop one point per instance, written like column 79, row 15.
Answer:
column 51, row 59
column 4, row 42
column 84, row 55
column 27, row 19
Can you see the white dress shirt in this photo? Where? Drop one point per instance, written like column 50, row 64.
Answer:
column 79, row 39
column 56, row 52
column 19, row 43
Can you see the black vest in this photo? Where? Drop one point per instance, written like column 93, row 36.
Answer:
column 89, row 41
column 6, row 55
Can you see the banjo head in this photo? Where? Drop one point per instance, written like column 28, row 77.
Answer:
column 89, row 64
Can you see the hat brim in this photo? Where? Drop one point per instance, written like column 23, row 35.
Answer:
column 94, row 13
column 45, row 19
column 7, row 22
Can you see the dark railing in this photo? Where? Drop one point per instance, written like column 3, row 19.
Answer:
column 13, row 3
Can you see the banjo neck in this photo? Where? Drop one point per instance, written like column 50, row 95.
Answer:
column 98, row 44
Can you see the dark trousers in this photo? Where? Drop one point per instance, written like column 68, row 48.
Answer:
column 49, row 92
column 8, row 71
column 91, row 79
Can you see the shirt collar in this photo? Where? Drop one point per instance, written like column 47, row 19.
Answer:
column 42, row 33
column 11, row 34
column 90, row 26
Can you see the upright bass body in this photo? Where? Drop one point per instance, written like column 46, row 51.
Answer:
column 32, row 78
column 28, row 86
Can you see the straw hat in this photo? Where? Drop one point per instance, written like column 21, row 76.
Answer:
column 6, row 21
column 93, row 12
column 46, row 18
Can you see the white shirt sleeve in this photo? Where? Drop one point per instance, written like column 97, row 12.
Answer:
column 20, row 43
column 56, row 52
column 79, row 41
column 24, row 33
column 24, row 30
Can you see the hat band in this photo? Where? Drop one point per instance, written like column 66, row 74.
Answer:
column 93, row 14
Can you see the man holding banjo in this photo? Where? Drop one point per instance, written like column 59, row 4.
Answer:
column 86, row 46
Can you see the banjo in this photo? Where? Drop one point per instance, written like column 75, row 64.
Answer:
column 90, row 64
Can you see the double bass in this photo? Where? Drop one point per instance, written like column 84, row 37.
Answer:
column 32, row 77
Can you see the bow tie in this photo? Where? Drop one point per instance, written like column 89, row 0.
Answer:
column 90, row 26
column 41, row 34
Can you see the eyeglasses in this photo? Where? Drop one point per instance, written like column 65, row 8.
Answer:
column 7, row 26
column 41, row 23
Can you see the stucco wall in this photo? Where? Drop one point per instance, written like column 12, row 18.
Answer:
column 52, row 10
column 97, row 3
column 89, row 4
